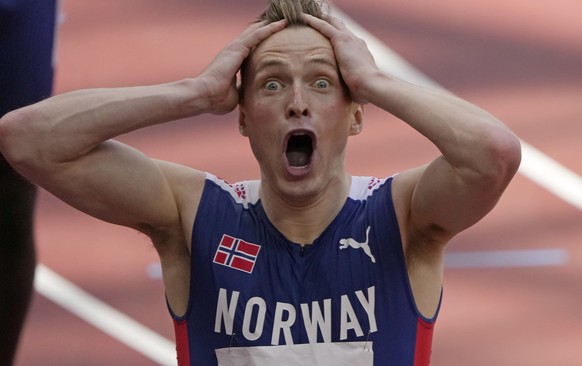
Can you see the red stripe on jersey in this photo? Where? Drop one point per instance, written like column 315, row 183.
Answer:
column 423, row 350
column 182, row 344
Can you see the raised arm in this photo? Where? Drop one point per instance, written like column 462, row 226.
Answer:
column 433, row 203
column 479, row 157
column 65, row 145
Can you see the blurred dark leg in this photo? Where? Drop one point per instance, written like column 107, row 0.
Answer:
column 17, row 258
column 27, row 29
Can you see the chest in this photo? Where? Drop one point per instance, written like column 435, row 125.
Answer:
column 282, row 293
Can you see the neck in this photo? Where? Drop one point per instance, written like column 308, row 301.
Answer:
column 303, row 219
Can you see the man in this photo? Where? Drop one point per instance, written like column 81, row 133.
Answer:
column 307, row 265
column 26, row 76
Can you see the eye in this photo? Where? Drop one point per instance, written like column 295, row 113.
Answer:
column 321, row 83
column 273, row 85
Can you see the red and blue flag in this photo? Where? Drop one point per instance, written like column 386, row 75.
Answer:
column 236, row 253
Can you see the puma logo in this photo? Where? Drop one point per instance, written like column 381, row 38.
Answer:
column 351, row 243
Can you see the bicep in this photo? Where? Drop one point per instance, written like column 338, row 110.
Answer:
column 117, row 184
column 448, row 200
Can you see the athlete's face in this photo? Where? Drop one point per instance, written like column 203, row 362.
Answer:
column 296, row 111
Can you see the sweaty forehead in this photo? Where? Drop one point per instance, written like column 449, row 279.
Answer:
column 295, row 41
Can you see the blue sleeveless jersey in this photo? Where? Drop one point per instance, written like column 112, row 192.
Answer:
column 250, row 286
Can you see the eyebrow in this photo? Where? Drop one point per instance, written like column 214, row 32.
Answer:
column 265, row 64
column 323, row 61
column 280, row 63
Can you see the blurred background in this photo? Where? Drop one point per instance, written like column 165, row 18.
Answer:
column 513, row 283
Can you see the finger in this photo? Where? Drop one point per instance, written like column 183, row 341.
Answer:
column 257, row 33
column 324, row 27
column 337, row 22
column 331, row 26
column 251, row 28
column 328, row 25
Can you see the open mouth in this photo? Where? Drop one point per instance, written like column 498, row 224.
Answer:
column 299, row 149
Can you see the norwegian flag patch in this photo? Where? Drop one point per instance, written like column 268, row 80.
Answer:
column 237, row 254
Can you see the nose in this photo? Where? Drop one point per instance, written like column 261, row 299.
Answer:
column 298, row 104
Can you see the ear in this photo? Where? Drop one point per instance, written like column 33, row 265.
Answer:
column 242, row 124
column 357, row 124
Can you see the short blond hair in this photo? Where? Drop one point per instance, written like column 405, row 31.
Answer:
column 291, row 10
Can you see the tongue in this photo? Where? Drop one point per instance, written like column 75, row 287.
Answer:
column 298, row 158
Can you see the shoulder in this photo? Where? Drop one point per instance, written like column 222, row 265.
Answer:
column 404, row 186
column 422, row 240
column 186, row 185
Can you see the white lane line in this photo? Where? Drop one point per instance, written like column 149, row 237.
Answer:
column 154, row 271
column 104, row 317
column 507, row 258
column 551, row 175
column 535, row 165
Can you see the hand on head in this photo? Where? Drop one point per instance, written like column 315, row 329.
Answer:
column 219, row 78
column 355, row 61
